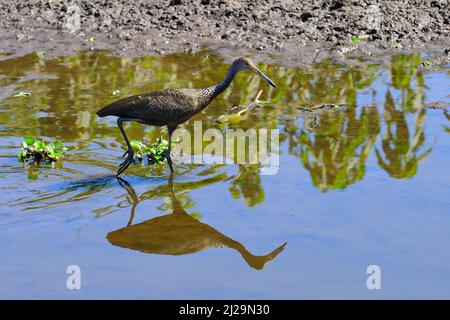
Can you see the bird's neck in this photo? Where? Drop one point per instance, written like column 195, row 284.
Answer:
column 208, row 94
column 220, row 87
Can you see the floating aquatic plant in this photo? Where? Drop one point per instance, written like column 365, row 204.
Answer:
column 156, row 153
column 34, row 150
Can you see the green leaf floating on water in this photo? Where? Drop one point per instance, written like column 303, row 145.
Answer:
column 34, row 150
column 39, row 146
column 29, row 141
column 58, row 144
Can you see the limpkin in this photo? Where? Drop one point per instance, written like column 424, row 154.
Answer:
column 170, row 107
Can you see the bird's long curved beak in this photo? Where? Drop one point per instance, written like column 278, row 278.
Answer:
column 263, row 76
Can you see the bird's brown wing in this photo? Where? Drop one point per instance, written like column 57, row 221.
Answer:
column 162, row 106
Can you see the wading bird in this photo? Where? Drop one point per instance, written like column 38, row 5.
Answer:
column 170, row 107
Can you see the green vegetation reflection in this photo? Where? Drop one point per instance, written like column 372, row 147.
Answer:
column 332, row 145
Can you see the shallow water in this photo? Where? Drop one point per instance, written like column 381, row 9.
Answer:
column 366, row 184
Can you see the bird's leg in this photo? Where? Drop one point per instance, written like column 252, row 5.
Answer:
column 124, row 165
column 169, row 158
column 134, row 200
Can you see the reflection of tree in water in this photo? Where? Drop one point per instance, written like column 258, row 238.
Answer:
column 335, row 154
column 336, row 151
column 248, row 185
column 406, row 77
column 447, row 116
column 400, row 149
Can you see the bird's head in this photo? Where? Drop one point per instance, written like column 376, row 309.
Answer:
column 246, row 63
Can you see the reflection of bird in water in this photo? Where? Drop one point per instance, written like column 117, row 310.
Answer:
column 178, row 233
column 170, row 107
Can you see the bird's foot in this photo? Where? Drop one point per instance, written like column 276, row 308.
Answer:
column 128, row 161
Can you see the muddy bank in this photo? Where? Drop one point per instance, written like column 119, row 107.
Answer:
column 291, row 29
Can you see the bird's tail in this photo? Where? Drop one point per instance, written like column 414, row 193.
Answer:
column 103, row 112
column 112, row 109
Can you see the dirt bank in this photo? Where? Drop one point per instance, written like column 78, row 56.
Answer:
column 294, row 29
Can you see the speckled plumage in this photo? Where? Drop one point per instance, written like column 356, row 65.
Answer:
column 167, row 106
